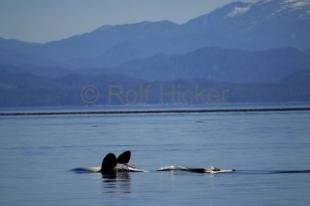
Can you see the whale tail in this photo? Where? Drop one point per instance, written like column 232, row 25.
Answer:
column 108, row 163
column 124, row 157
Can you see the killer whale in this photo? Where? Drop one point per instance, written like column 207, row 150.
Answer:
column 215, row 170
column 111, row 164
column 211, row 170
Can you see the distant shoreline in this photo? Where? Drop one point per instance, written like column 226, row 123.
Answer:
column 153, row 111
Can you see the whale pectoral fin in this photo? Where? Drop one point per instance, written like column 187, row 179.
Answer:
column 108, row 162
column 124, row 157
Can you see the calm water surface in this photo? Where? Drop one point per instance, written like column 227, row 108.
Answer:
column 37, row 153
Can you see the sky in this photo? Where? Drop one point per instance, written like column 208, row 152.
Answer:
column 50, row 20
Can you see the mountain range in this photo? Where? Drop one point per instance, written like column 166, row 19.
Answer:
column 219, row 65
column 266, row 42
column 249, row 26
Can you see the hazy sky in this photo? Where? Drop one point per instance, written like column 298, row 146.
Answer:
column 46, row 20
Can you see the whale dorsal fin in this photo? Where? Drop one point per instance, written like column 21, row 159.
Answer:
column 108, row 162
column 124, row 157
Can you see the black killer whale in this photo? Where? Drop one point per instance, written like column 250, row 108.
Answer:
column 210, row 170
column 111, row 164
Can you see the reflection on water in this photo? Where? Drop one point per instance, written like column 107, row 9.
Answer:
column 116, row 182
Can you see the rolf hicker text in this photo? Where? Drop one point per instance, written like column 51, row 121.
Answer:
column 147, row 93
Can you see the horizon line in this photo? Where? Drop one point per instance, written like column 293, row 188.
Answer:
column 158, row 111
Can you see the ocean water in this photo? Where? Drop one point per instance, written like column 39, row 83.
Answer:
column 37, row 154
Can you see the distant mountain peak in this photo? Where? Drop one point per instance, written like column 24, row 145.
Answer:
column 297, row 3
column 139, row 24
column 239, row 10
column 256, row 10
column 288, row 4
